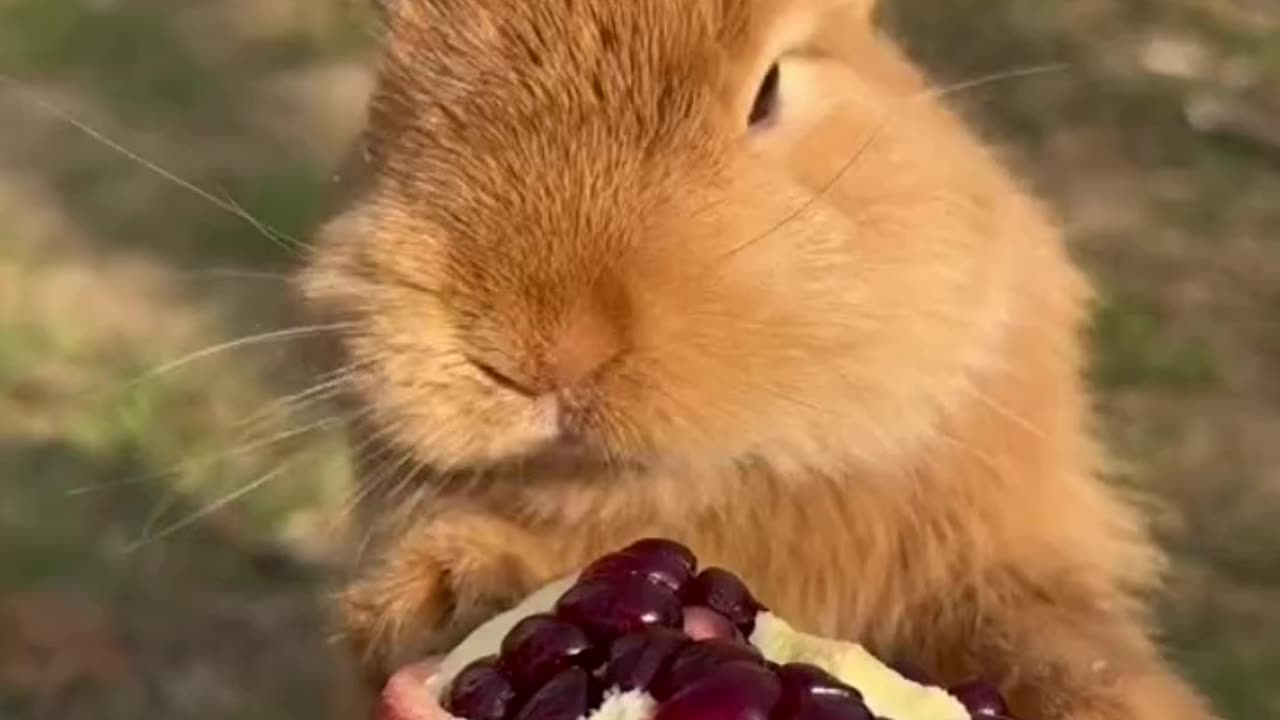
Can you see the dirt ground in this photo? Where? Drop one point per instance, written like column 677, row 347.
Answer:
column 164, row 488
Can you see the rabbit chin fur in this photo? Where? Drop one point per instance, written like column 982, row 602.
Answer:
column 839, row 352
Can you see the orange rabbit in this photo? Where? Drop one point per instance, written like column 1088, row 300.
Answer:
column 725, row 271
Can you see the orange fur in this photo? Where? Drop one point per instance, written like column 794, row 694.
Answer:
column 840, row 357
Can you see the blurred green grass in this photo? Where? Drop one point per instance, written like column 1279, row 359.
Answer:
column 1138, row 347
column 131, row 51
column 107, row 271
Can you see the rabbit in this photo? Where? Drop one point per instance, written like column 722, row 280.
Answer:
column 728, row 272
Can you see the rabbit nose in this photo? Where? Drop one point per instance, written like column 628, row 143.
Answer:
column 587, row 343
column 560, row 352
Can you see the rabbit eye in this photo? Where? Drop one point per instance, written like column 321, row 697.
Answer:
column 766, row 104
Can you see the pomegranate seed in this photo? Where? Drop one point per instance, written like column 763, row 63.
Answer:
column 736, row 691
column 608, row 610
column 810, row 693
column 666, row 548
column 725, row 593
column 636, row 660
column 662, row 568
column 480, row 692
column 569, row 695
column 700, row 659
column 540, row 646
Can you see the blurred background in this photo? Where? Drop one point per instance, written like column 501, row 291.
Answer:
column 168, row 487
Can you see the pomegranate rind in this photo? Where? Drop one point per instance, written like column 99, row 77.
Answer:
column 411, row 694
column 885, row 692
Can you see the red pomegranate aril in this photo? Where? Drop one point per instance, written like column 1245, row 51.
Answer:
column 702, row 623
column 698, row 660
column 670, row 549
column 725, row 593
column 982, row 700
column 803, row 684
column 832, row 707
column 666, row 570
column 811, row 693
column 540, row 646
column 736, row 691
column 481, row 691
column 636, row 660
column 610, row 609
column 569, row 695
